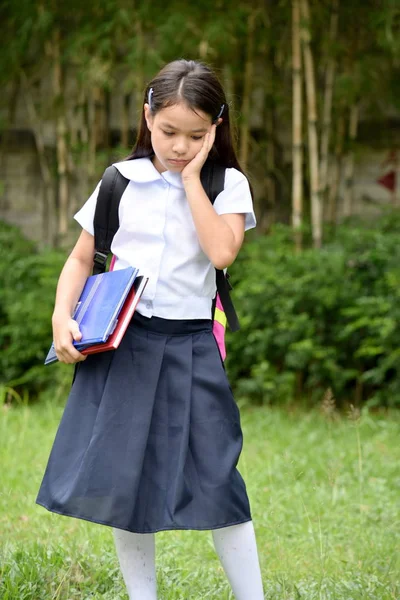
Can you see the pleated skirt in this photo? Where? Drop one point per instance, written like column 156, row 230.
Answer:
column 150, row 436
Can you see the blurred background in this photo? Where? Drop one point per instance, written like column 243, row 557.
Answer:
column 315, row 96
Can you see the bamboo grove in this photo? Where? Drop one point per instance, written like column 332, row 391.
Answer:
column 300, row 75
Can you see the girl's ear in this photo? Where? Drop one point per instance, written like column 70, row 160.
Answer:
column 218, row 121
column 148, row 116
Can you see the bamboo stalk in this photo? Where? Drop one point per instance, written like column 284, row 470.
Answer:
column 297, row 141
column 139, row 68
column 247, row 87
column 61, row 130
column 81, row 168
column 336, row 171
column 271, row 166
column 125, row 120
column 102, row 118
column 5, row 139
column 47, row 180
column 316, row 207
column 84, row 132
column 62, row 170
column 107, row 119
column 229, row 85
column 348, row 195
column 327, row 103
column 93, row 129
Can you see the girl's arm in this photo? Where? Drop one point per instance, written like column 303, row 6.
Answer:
column 70, row 284
column 220, row 236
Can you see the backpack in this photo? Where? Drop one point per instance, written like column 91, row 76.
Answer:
column 106, row 224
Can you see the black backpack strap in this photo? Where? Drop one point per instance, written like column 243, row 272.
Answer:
column 213, row 180
column 223, row 288
column 106, row 220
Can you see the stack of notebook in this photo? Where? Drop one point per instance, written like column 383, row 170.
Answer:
column 104, row 310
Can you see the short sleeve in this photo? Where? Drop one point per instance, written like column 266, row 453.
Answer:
column 236, row 197
column 85, row 215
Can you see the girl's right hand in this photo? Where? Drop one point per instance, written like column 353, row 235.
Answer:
column 64, row 333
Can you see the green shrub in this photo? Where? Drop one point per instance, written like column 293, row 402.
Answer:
column 318, row 321
column 28, row 281
column 321, row 320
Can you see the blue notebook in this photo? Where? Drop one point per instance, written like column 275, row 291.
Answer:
column 98, row 307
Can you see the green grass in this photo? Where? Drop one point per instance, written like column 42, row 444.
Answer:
column 324, row 491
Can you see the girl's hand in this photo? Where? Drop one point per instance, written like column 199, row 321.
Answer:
column 192, row 169
column 65, row 331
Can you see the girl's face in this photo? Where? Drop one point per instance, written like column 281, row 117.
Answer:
column 176, row 135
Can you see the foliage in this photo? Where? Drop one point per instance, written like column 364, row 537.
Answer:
column 323, row 321
column 27, row 287
column 82, row 60
column 320, row 322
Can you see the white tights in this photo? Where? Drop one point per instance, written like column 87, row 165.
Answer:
column 236, row 547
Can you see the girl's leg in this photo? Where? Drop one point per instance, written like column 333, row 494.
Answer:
column 237, row 550
column 136, row 554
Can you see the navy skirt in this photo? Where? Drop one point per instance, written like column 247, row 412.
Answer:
column 150, row 436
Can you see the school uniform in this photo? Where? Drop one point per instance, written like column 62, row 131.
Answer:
column 150, row 436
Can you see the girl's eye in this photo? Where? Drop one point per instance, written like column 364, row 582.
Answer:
column 168, row 133
column 197, row 137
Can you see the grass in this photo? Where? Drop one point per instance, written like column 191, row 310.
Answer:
column 324, row 491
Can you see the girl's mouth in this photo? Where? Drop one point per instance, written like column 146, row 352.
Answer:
column 177, row 161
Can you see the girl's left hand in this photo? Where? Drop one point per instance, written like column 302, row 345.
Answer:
column 192, row 169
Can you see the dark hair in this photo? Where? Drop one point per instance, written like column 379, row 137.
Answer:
column 197, row 85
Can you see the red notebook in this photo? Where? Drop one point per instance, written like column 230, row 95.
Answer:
column 124, row 318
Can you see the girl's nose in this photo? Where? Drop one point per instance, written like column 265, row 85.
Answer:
column 180, row 145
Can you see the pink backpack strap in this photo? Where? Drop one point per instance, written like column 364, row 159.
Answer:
column 219, row 326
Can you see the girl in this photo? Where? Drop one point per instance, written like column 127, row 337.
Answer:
column 151, row 436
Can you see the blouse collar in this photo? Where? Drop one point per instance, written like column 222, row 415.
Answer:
column 142, row 170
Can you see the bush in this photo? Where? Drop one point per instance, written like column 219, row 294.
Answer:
column 323, row 321
column 28, row 281
column 320, row 321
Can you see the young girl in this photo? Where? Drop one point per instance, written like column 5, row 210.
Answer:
column 151, row 436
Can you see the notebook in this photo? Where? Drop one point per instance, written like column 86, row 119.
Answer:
column 123, row 320
column 106, row 304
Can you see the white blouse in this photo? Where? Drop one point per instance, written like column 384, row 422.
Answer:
column 157, row 234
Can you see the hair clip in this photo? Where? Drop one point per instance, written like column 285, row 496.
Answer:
column 149, row 98
column 220, row 113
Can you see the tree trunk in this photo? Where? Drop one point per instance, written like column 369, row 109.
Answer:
column 81, row 174
column 316, row 208
column 93, row 130
column 107, row 119
column 271, row 167
column 82, row 118
column 61, row 131
column 62, row 171
column 229, row 85
column 101, row 112
column 331, row 213
column 45, row 171
column 5, row 139
column 125, row 110
column 297, row 141
column 139, row 69
column 327, row 110
column 247, row 88
column 348, row 194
